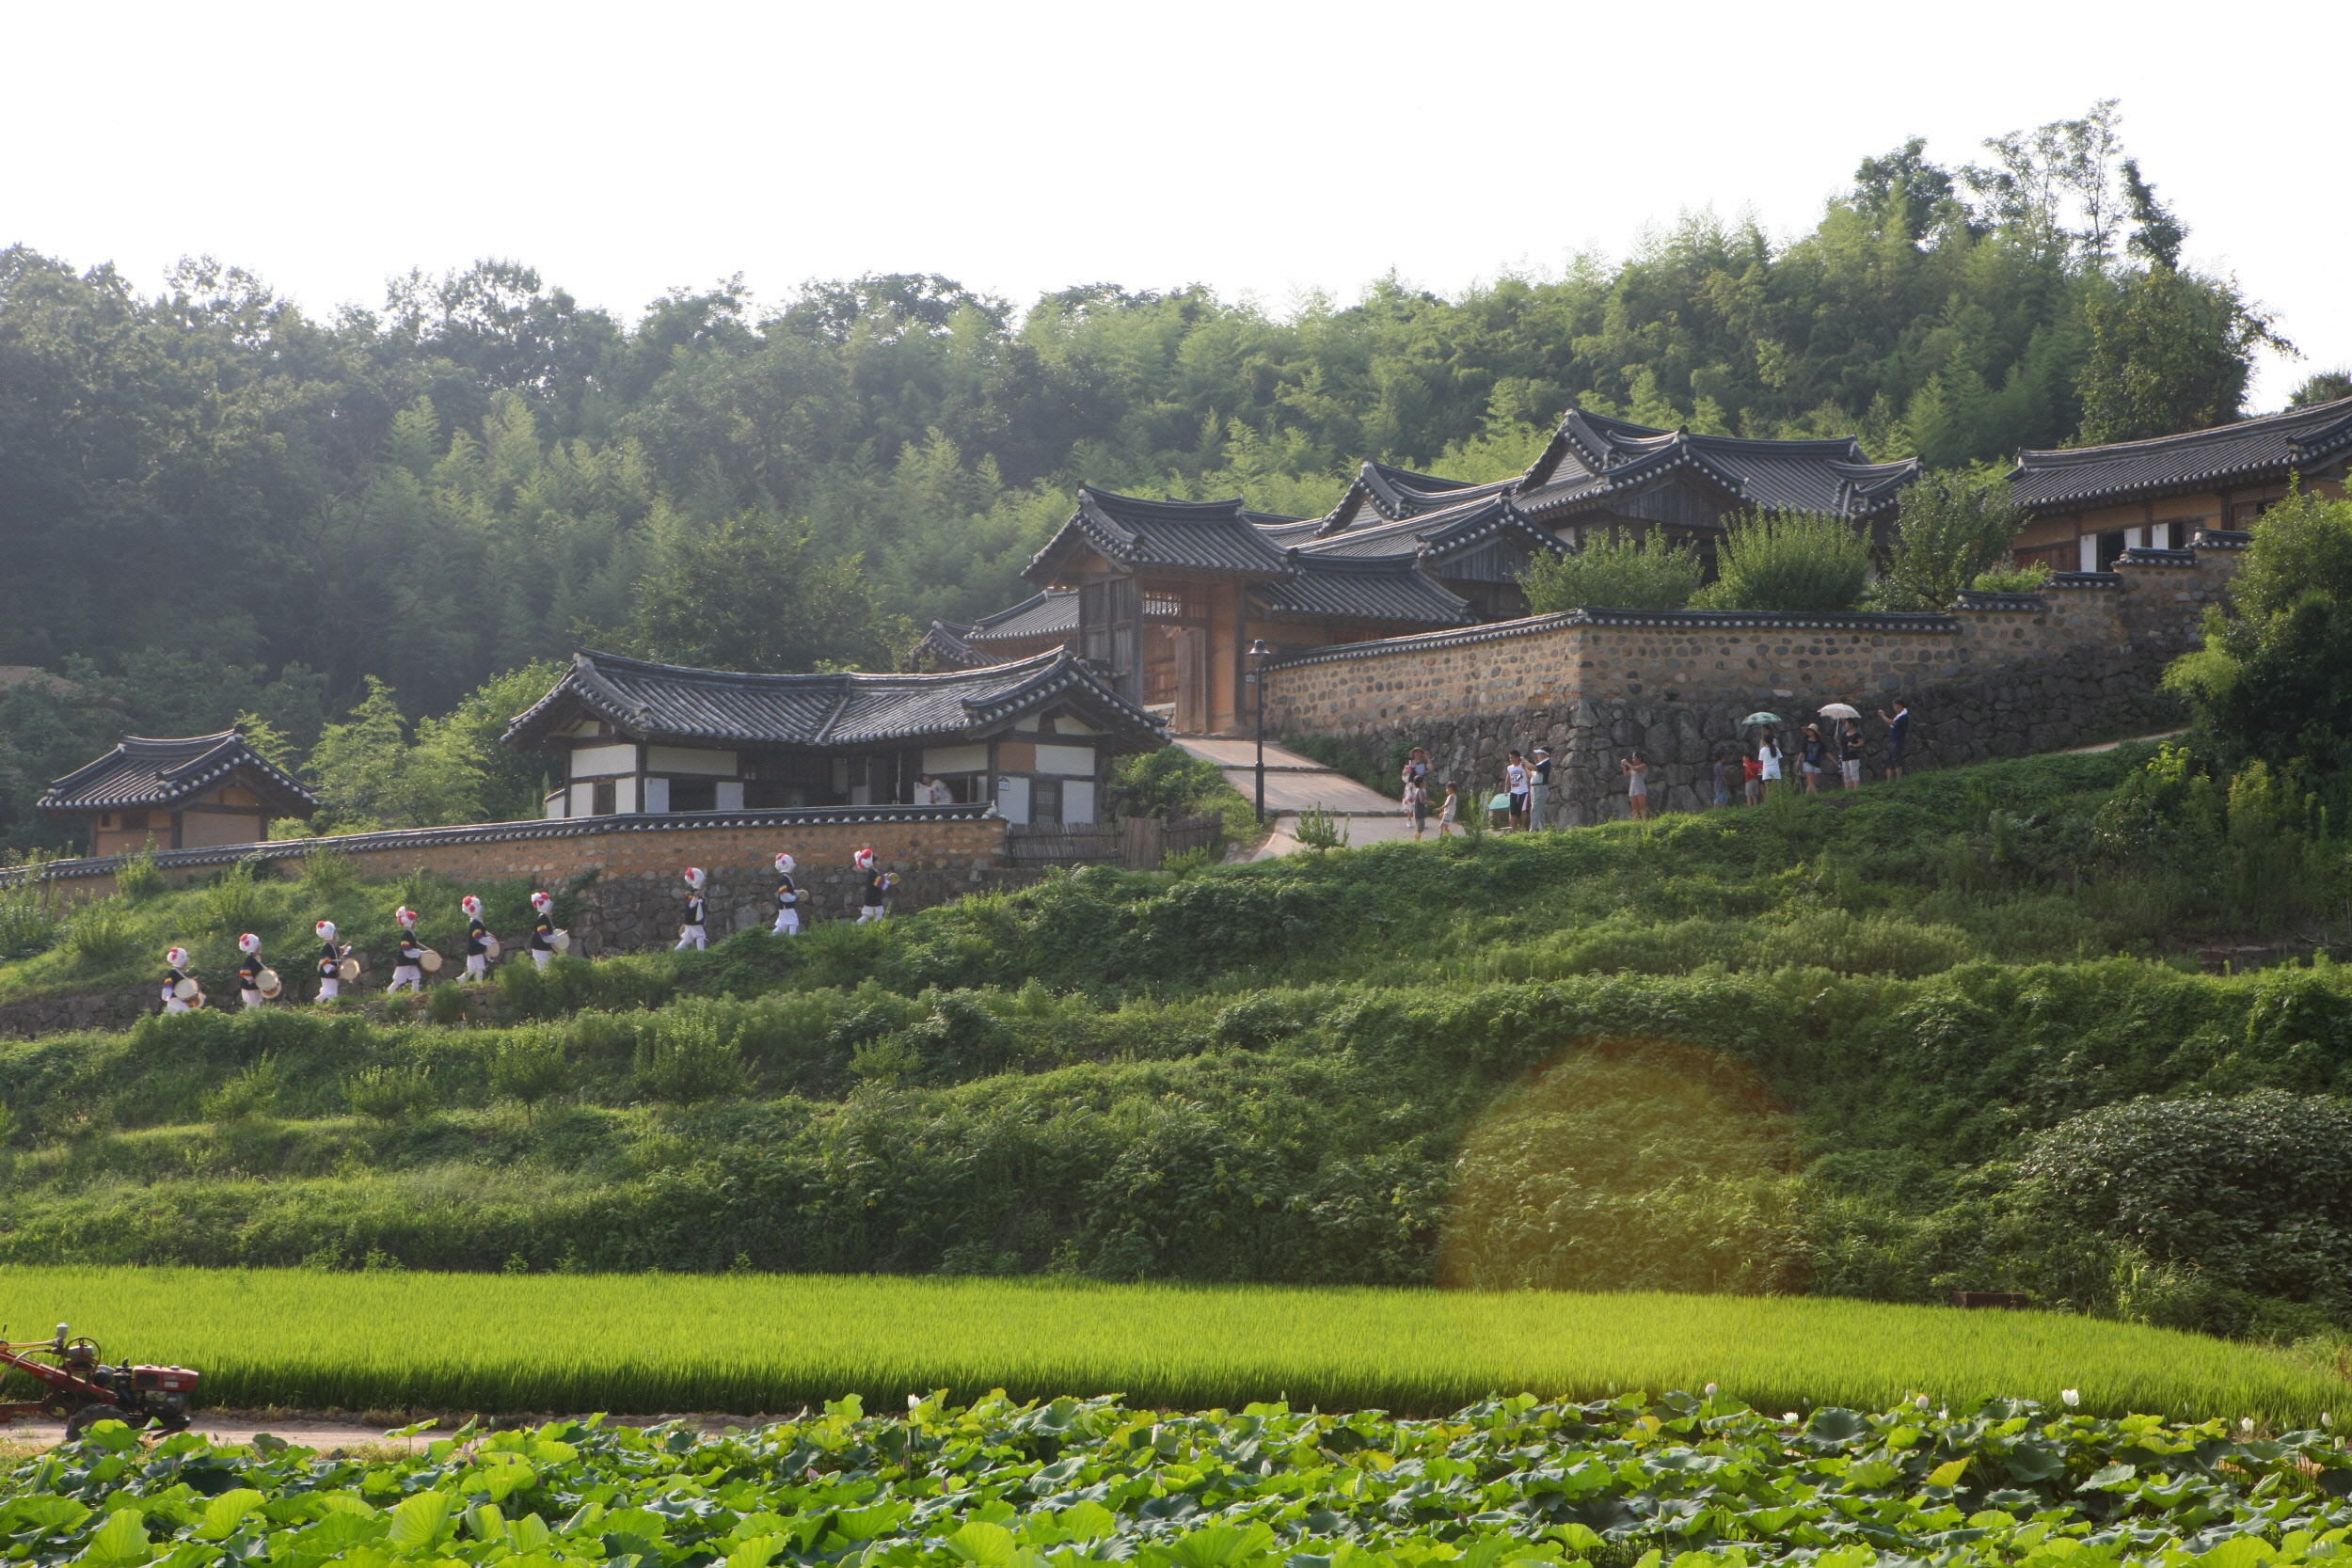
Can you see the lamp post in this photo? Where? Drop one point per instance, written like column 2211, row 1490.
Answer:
column 1259, row 653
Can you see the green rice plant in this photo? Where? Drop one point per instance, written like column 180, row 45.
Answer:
column 634, row 1342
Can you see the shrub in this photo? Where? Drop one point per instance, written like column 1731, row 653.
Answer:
column 26, row 927
column 2251, row 1195
column 685, row 1054
column 530, row 1068
column 445, row 1002
column 1626, row 573
column 2021, row 580
column 139, row 876
column 386, row 1091
column 1318, row 829
column 102, row 934
column 251, row 1093
column 1793, row 561
column 327, row 871
column 233, row 903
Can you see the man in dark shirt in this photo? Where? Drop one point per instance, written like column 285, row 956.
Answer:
column 1849, row 751
column 1897, row 736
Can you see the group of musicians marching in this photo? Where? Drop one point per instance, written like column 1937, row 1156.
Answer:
column 258, row 983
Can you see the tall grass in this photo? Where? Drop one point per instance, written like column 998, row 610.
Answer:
column 754, row 1343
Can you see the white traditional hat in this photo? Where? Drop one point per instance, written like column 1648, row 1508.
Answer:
column 471, row 904
column 694, row 875
column 177, row 958
column 248, row 943
column 326, row 930
column 406, row 915
column 785, row 864
column 865, row 860
column 540, row 902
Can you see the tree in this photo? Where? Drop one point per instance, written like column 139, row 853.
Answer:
column 2268, row 681
column 748, row 594
column 1951, row 530
column 369, row 775
column 2170, row 351
column 2323, row 387
column 1793, row 561
column 2158, row 234
column 1626, row 573
column 514, row 782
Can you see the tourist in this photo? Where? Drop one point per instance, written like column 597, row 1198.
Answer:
column 1816, row 752
column 408, row 964
column 694, row 933
column 1849, row 751
column 1450, row 811
column 1516, row 779
column 1637, row 784
column 1416, row 803
column 1419, row 762
column 249, row 972
column 543, row 930
column 1753, row 772
column 477, row 941
column 1768, row 753
column 787, row 899
column 1726, row 770
column 931, row 792
column 1539, row 789
column 1897, row 736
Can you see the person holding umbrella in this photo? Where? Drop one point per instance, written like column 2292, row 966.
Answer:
column 1846, row 743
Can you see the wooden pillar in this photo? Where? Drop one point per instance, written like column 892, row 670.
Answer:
column 991, row 769
column 641, row 777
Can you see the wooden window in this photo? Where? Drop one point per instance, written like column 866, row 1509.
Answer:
column 603, row 803
column 2058, row 558
column 1161, row 604
column 693, row 794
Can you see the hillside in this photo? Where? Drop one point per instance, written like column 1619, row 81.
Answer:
column 1882, row 1045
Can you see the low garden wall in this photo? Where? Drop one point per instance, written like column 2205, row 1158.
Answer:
column 2003, row 675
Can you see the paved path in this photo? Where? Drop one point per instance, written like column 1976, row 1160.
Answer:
column 1295, row 783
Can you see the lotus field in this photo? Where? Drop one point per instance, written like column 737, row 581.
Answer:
column 998, row 1484
column 396, row 1342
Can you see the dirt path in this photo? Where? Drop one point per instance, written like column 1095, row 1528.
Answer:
column 326, row 1433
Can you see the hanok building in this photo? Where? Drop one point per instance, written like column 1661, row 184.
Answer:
column 1037, row 737
column 1171, row 596
column 2092, row 503
column 190, row 793
column 1037, row 624
column 1601, row 475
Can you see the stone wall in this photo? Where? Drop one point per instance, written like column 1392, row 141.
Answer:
column 2001, row 675
column 61, row 1015
column 940, row 852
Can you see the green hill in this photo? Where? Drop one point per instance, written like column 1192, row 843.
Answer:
column 1881, row 1045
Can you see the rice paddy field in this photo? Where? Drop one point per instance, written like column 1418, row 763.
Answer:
column 396, row 1342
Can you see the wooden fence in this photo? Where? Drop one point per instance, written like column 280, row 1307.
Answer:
column 1151, row 840
column 1062, row 844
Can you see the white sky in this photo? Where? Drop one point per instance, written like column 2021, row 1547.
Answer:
column 1264, row 148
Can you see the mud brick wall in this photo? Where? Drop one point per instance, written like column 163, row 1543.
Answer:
column 2002, row 675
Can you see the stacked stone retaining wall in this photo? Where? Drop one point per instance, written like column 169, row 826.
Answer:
column 2001, row 675
column 637, row 894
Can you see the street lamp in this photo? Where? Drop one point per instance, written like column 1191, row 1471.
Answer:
column 1259, row 653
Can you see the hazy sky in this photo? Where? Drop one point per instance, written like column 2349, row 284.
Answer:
column 1263, row 149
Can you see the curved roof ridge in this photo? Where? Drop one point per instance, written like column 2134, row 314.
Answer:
column 2316, row 413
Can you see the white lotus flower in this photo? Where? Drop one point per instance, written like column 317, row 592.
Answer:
column 2245, row 1424
column 1710, row 1390
column 2073, row 1396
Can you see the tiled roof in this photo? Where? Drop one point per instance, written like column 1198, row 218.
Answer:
column 144, row 772
column 1393, row 494
column 1388, row 589
column 1594, row 458
column 1436, row 534
column 2301, row 440
column 1678, row 620
column 1053, row 614
column 1194, row 536
column 829, row 710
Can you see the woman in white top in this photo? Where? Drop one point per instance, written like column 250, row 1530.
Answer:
column 1767, row 752
column 1637, row 784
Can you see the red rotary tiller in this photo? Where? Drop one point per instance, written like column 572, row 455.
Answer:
column 85, row 1390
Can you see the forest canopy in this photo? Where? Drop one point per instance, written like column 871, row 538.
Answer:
column 213, row 503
